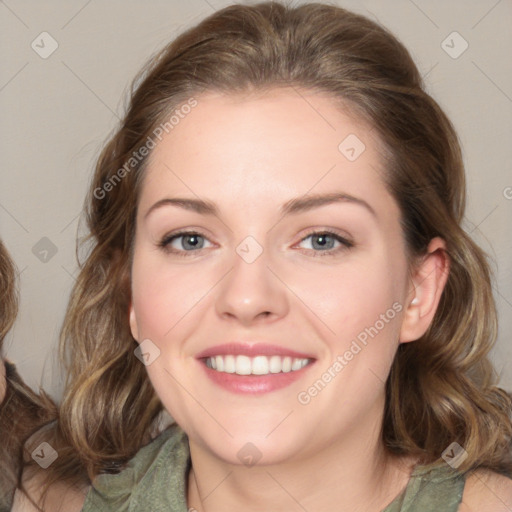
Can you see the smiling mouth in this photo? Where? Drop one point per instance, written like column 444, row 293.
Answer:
column 258, row 365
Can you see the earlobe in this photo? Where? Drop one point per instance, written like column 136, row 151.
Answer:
column 133, row 323
column 428, row 283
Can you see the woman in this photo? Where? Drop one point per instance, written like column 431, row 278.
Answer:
column 22, row 411
column 277, row 260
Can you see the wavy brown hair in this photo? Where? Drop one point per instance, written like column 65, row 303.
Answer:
column 8, row 293
column 442, row 387
column 8, row 311
column 22, row 410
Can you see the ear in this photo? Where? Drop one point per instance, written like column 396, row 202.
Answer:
column 427, row 283
column 126, row 287
column 134, row 327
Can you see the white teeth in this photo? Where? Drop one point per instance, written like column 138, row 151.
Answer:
column 229, row 364
column 297, row 364
column 259, row 365
column 242, row 365
column 275, row 364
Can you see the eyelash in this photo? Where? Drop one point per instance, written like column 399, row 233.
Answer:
column 346, row 244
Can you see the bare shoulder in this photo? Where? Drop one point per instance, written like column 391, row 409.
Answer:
column 486, row 491
column 60, row 498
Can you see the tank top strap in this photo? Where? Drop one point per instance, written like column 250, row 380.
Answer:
column 438, row 489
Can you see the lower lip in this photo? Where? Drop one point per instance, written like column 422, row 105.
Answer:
column 254, row 384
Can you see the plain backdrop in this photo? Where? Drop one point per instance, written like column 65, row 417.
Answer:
column 57, row 109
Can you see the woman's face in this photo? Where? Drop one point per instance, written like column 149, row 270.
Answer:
column 272, row 277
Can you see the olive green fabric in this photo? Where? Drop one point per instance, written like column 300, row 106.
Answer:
column 156, row 478
column 436, row 490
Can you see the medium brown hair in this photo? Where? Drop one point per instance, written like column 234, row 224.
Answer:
column 22, row 410
column 8, row 293
column 442, row 387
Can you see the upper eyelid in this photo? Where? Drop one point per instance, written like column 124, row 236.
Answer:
column 172, row 236
column 166, row 240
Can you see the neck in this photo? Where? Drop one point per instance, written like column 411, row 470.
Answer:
column 352, row 473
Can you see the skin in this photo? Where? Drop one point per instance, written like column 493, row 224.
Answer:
column 250, row 156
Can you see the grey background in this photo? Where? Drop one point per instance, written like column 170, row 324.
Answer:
column 56, row 112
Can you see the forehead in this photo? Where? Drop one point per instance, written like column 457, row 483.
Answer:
column 266, row 147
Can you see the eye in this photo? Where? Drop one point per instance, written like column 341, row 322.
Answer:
column 324, row 243
column 183, row 242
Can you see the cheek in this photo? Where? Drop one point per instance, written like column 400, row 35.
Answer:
column 361, row 303
column 354, row 296
column 362, row 308
column 163, row 295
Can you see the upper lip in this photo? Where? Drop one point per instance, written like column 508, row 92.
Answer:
column 251, row 350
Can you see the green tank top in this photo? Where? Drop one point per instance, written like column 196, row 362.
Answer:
column 156, row 478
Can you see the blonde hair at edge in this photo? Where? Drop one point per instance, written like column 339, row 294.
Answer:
column 441, row 388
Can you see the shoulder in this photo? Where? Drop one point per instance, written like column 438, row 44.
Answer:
column 60, row 498
column 487, row 491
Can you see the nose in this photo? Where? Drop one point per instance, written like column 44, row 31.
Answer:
column 252, row 293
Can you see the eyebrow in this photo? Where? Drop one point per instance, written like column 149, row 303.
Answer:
column 294, row 206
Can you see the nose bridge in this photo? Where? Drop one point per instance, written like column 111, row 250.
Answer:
column 251, row 290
